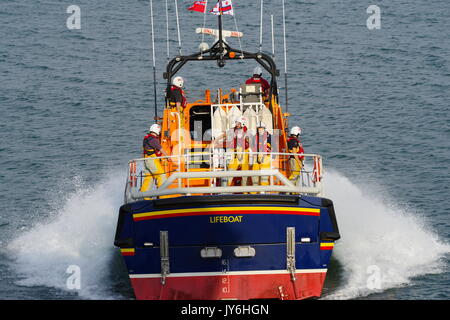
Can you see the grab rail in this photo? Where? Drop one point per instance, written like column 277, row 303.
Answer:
column 217, row 175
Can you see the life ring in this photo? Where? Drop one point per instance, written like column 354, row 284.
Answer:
column 317, row 171
column 132, row 178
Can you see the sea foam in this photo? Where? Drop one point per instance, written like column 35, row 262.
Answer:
column 375, row 236
column 382, row 245
column 80, row 233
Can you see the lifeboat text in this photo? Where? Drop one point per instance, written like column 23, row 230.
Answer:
column 225, row 219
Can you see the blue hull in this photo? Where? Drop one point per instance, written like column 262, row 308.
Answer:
column 226, row 222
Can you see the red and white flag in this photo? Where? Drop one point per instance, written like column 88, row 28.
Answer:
column 227, row 8
column 199, row 6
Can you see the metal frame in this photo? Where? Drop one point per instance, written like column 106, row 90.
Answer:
column 284, row 184
column 220, row 52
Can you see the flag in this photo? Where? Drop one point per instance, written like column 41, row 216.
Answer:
column 227, row 8
column 199, row 6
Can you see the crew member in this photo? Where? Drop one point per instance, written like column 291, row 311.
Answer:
column 296, row 159
column 257, row 78
column 153, row 168
column 176, row 95
column 261, row 160
column 240, row 145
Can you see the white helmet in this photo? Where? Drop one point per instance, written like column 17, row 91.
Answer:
column 178, row 81
column 155, row 128
column 296, row 131
column 257, row 70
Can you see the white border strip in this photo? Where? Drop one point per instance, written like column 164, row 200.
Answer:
column 228, row 273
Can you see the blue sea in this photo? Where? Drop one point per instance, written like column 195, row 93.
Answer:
column 75, row 105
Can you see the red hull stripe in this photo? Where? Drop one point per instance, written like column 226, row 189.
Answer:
column 327, row 246
column 127, row 251
column 269, row 285
column 228, row 211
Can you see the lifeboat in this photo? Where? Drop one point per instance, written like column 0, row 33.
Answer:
column 214, row 231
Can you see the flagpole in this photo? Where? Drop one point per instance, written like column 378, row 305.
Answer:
column 204, row 22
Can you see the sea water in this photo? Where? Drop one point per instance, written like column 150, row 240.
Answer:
column 76, row 103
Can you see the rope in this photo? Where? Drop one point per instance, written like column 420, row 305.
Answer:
column 237, row 30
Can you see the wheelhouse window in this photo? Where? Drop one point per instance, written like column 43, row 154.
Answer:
column 200, row 123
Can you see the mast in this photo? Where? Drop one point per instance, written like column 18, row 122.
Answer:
column 220, row 62
column 220, row 22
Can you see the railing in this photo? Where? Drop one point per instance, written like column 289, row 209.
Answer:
column 183, row 178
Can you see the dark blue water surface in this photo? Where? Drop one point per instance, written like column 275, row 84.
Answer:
column 75, row 105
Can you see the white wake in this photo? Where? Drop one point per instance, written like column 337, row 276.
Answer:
column 79, row 233
column 381, row 246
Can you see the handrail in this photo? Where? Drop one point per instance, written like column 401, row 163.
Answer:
column 310, row 177
column 311, row 155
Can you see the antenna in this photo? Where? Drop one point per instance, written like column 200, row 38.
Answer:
column 261, row 26
column 204, row 25
column 167, row 30
column 273, row 36
column 285, row 57
column 153, row 59
column 178, row 26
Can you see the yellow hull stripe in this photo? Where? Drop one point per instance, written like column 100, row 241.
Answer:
column 127, row 251
column 327, row 245
column 219, row 210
